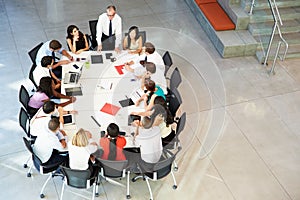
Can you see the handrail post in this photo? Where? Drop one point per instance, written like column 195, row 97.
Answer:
column 252, row 6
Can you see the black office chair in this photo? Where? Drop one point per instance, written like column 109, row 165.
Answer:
column 160, row 170
column 115, row 169
column 24, row 123
column 80, row 179
column 33, row 52
column 31, row 76
column 175, row 79
column 41, row 168
column 24, row 97
column 93, row 30
column 167, row 61
column 173, row 101
column 175, row 143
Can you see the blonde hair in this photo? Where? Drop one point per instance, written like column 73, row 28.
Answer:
column 80, row 139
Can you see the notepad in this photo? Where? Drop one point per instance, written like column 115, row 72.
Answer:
column 108, row 55
column 126, row 102
column 110, row 109
column 74, row 91
column 119, row 69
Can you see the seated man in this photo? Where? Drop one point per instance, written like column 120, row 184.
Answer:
column 50, row 146
column 48, row 49
column 148, row 137
column 45, row 69
column 40, row 120
column 146, row 71
column 153, row 56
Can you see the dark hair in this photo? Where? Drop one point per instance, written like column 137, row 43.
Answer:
column 70, row 30
column 55, row 45
column 137, row 34
column 150, row 85
column 46, row 60
column 48, row 107
column 111, row 6
column 45, row 86
column 150, row 67
column 159, row 100
column 113, row 132
column 149, row 47
column 53, row 124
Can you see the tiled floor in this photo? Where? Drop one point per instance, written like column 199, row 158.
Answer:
column 242, row 137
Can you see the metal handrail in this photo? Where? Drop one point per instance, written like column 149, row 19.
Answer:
column 277, row 21
column 252, row 6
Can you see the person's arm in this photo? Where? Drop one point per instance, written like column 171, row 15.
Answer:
column 99, row 32
column 151, row 102
column 65, row 53
column 143, row 114
column 71, row 46
column 128, row 68
column 62, row 62
column 125, row 41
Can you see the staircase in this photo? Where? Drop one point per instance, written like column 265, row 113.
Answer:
column 261, row 25
column 253, row 32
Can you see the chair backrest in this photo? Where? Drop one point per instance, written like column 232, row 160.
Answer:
column 181, row 124
column 113, row 169
column 77, row 178
column 36, row 161
column 161, row 169
column 93, row 30
column 32, row 53
column 175, row 79
column 24, row 97
column 174, row 101
column 31, row 75
column 24, row 121
column 167, row 61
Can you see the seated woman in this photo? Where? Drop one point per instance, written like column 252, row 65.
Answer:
column 153, row 91
column 113, row 144
column 133, row 42
column 44, row 92
column 80, row 149
column 76, row 40
column 164, row 119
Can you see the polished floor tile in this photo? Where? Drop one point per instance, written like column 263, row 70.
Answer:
column 241, row 139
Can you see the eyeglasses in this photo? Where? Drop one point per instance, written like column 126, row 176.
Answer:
column 110, row 15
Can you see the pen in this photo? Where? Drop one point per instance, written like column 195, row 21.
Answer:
column 110, row 86
column 126, row 96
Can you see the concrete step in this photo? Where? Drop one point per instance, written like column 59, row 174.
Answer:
column 290, row 13
column 265, row 28
column 263, row 4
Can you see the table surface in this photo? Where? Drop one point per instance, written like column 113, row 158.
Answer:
column 101, row 84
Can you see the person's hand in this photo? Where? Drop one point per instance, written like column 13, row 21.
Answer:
column 117, row 49
column 127, row 67
column 73, row 99
column 88, row 134
column 75, row 112
column 99, row 48
column 71, row 58
column 137, row 103
column 76, row 37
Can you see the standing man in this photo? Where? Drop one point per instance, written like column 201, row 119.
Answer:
column 109, row 30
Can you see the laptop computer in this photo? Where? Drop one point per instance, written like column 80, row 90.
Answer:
column 96, row 59
column 74, row 91
column 72, row 77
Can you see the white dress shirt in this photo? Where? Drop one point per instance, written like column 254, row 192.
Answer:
column 150, row 144
column 39, row 73
column 45, row 143
column 44, row 51
column 103, row 27
column 157, row 60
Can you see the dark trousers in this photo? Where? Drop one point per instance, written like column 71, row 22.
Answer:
column 58, row 72
column 108, row 43
column 58, row 158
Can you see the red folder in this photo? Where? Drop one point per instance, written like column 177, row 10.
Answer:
column 119, row 69
column 110, row 109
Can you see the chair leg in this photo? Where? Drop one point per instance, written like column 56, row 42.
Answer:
column 175, row 166
column 94, row 189
column 149, row 188
column 128, row 192
column 25, row 164
column 174, row 180
column 42, row 191
column 29, row 171
column 62, row 190
column 97, row 186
